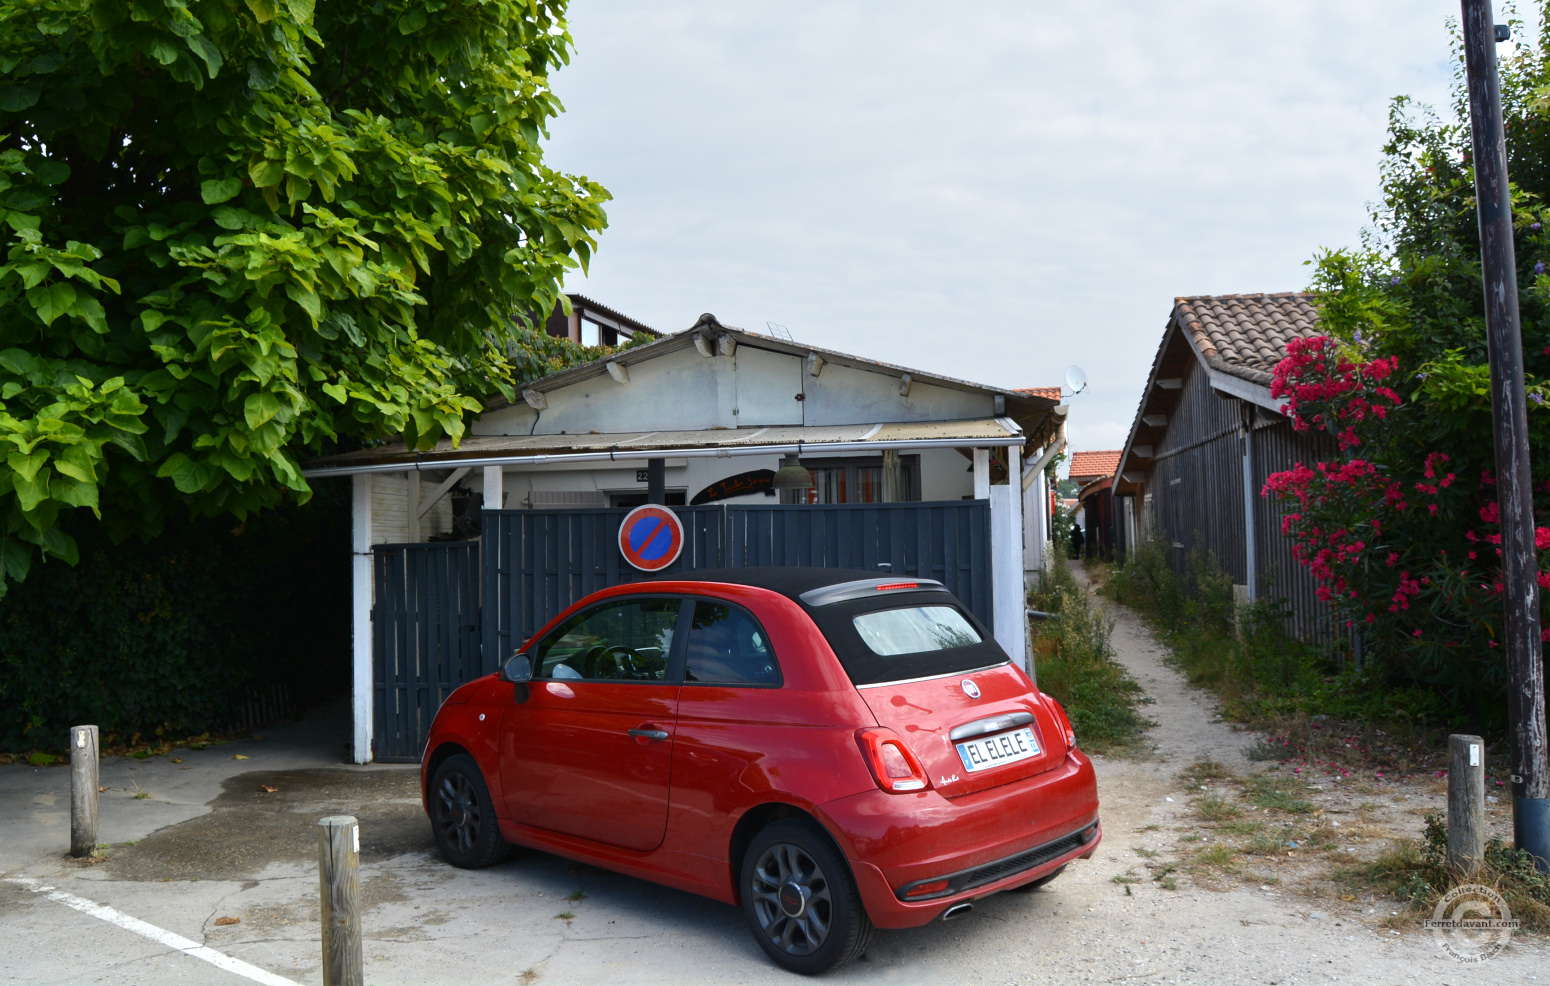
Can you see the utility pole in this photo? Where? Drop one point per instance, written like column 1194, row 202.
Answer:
column 1509, row 425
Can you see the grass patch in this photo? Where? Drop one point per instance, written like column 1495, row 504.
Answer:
column 1218, row 856
column 1415, row 872
column 1214, row 809
column 1074, row 660
column 1205, row 769
column 1278, row 794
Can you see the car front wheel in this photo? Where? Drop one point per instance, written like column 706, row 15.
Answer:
column 800, row 899
column 463, row 815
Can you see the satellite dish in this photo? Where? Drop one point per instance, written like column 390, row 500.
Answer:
column 1076, row 379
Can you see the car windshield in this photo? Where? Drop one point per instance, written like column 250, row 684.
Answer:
column 915, row 629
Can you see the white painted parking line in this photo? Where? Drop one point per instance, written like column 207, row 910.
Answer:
column 236, row 967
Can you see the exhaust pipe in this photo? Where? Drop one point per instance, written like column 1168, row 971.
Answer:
column 957, row 911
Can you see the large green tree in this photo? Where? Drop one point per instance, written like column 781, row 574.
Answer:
column 241, row 231
column 1401, row 529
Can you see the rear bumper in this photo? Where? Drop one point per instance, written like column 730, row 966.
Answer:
column 1024, row 830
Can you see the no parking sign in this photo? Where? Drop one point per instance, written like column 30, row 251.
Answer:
column 651, row 537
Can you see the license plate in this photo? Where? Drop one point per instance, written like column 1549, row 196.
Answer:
column 993, row 751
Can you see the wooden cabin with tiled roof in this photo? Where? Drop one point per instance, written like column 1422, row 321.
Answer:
column 1206, row 435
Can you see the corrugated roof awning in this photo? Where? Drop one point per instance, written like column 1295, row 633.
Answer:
column 522, row 450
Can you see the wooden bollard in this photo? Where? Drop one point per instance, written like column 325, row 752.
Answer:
column 83, row 790
column 339, row 889
column 1466, row 802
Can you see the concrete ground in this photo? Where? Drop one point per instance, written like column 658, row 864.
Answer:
column 207, row 841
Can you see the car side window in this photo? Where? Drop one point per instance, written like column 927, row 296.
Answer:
column 727, row 646
column 628, row 640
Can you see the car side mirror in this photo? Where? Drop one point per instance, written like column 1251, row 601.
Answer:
column 517, row 670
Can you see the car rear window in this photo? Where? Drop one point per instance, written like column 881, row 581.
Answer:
column 914, row 630
column 899, row 636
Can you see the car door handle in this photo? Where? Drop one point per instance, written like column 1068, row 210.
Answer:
column 651, row 734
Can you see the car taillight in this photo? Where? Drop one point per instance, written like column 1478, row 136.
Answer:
column 1060, row 717
column 928, row 889
column 892, row 764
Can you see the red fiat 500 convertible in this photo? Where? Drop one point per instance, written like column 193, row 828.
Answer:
column 829, row 750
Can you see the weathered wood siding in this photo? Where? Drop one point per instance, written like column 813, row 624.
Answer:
column 1194, row 495
column 1278, row 448
column 1196, row 478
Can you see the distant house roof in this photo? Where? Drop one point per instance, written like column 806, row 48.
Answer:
column 1246, row 334
column 1239, row 339
column 593, row 309
column 1048, row 393
column 1088, row 466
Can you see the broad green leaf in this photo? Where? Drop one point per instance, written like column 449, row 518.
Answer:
column 262, row 75
column 15, row 558
column 52, row 300
column 31, row 490
column 207, row 51
column 14, row 99
column 266, row 173
column 218, row 190
column 89, row 310
column 260, row 408
column 26, row 466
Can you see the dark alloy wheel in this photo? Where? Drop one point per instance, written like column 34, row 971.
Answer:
column 800, row 899
column 463, row 816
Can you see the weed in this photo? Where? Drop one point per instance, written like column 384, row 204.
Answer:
column 1219, row 856
column 1146, row 853
column 576, row 895
column 1278, row 793
column 1206, row 769
column 564, row 916
column 1214, row 809
column 1240, row 828
column 1129, row 876
column 1074, row 661
column 528, row 976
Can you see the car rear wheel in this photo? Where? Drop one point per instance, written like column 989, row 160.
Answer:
column 463, row 815
column 1041, row 881
column 800, row 899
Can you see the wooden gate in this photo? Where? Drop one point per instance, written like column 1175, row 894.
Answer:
column 444, row 615
column 425, row 638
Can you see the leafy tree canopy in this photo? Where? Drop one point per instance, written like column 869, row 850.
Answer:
column 1401, row 528
column 241, row 231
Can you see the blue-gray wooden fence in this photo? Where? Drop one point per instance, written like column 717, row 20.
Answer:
column 538, row 562
column 440, row 621
column 425, row 638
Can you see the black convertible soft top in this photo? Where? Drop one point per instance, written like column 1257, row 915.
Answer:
column 834, row 612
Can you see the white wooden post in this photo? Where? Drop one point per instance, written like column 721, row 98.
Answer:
column 1008, row 597
column 494, row 492
column 982, row 474
column 412, row 504
column 362, row 690
column 1035, row 505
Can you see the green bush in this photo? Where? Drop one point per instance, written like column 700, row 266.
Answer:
column 1073, row 658
column 164, row 637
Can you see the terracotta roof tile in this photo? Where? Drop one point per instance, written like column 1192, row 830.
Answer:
column 1094, row 465
column 1048, row 393
column 1249, row 332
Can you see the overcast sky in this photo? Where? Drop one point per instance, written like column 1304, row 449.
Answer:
column 984, row 189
